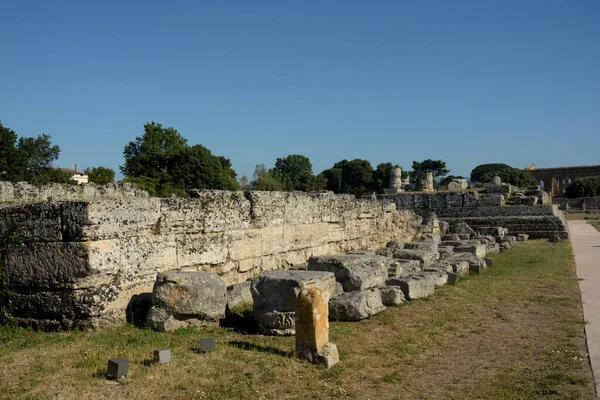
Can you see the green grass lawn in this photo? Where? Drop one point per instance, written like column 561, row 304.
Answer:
column 513, row 332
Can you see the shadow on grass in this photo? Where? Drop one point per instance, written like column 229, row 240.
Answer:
column 264, row 349
column 243, row 323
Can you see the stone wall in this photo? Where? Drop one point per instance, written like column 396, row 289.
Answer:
column 80, row 263
column 538, row 221
column 24, row 192
column 578, row 204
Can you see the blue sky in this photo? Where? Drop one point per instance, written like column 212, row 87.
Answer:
column 468, row 82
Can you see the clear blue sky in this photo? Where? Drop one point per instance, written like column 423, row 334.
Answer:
column 469, row 82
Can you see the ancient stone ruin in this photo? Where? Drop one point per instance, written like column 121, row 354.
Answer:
column 77, row 263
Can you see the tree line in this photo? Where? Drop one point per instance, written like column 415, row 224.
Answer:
column 162, row 162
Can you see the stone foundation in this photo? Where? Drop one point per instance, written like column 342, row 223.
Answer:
column 78, row 264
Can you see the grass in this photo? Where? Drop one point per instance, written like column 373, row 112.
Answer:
column 513, row 332
column 583, row 215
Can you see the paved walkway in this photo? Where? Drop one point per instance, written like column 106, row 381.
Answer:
column 586, row 246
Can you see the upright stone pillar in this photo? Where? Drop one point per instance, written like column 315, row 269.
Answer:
column 427, row 183
column 395, row 182
column 312, row 328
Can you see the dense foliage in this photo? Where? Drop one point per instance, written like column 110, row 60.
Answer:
column 162, row 162
column 100, row 175
column 293, row 172
column 419, row 169
column 486, row 172
column 29, row 159
column 584, row 187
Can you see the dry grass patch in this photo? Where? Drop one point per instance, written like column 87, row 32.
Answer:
column 514, row 332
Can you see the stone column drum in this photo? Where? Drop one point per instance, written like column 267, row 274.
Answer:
column 312, row 328
column 427, row 183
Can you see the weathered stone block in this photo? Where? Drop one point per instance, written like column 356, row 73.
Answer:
column 415, row 286
column 356, row 305
column 239, row 295
column 275, row 295
column 477, row 249
column 522, row 237
column 312, row 328
column 184, row 295
column 354, row 272
column 425, row 246
column 391, row 295
column 426, row 258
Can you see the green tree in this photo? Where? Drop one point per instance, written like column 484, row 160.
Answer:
column 350, row 177
column 163, row 156
column 291, row 169
column 584, row 187
column 333, row 176
column 309, row 182
column 11, row 162
column 100, row 175
column 485, row 173
column 419, row 169
column 263, row 179
column 144, row 183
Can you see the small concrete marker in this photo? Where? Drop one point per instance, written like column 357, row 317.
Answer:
column 206, row 345
column 117, row 367
column 475, row 268
column 489, row 261
column 162, row 356
column 452, row 277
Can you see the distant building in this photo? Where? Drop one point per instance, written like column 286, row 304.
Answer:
column 76, row 175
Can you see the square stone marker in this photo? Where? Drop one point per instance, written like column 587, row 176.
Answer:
column 162, row 356
column 206, row 344
column 117, row 367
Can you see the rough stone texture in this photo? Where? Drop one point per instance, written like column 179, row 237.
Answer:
column 24, row 192
column 193, row 297
column 457, row 185
column 275, row 295
column 391, row 296
column 100, row 253
column 425, row 246
column 239, row 295
column 492, row 248
column 426, row 258
column 461, row 227
column 438, row 275
column 522, row 237
column 401, row 267
column 355, row 306
column 312, row 327
column 415, row 286
column 477, row 249
column 354, row 272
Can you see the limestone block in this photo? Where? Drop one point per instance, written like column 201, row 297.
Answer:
column 492, row 248
column 355, row 306
column 185, row 295
column 271, row 240
column 400, row 267
column 244, row 244
column 299, row 208
column 312, row 328
column 120, row 218
column 277, row 292
column 416, row 286
column 391, row 295
column 495, row 231
column 160, row 320
column 395, row 244
column 30, row 223
column 182, row 216
column 198, row 249
column 225, row 210
column 457, row 185
column 146, row 255
column 354, row 272
column 522, row 237
column 268, row 208
column 505, row 245
column 474, row 261
column 426, row 258
column 432, row 237
column 425, row 246
column 461, row 228
column 46, row 265
column 477, row 249
column 249, row 264
column 438, row 275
